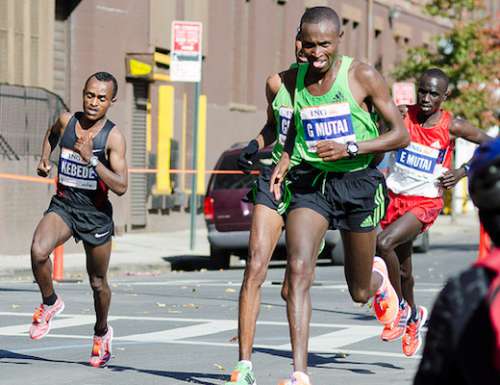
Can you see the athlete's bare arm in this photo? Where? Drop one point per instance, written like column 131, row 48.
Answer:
column 267, row 135
column 50, row 142
column 461, row 128
column 115, row 177
column 366, row 83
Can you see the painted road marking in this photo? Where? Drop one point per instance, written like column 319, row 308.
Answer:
column 328, row 343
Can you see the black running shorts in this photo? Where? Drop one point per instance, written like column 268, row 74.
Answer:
column 86, row 223
column 354, row 201
column 260, row 193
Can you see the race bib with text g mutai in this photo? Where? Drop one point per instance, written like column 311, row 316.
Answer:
column 418, row 160
column 285, row 114
column 327, row 122
column 75, row 172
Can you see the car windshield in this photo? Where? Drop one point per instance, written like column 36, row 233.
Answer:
column 238, row 181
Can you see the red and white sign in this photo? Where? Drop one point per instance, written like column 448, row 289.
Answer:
column 404, row 93
column 185, row 55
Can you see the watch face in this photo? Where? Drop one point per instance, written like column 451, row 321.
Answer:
column 353, row 147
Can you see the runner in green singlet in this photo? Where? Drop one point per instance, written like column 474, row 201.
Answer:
column 267, row 219
column 336, row 185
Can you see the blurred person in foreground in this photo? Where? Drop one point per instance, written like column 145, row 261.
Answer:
column 463, row 339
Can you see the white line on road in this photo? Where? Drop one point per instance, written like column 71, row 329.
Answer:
column 329, row 343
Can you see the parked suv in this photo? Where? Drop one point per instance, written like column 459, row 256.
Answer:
column 228, row 214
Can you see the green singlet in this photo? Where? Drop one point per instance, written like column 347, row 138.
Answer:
column 283, row 112
column 333, row 116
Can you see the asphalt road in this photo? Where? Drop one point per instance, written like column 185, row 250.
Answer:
column 178, row 328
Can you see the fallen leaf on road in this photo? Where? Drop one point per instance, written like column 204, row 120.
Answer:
column 15, row 306
column 190, row 305
column 174, row 311
column 160, row 304
column 220, row 367
column 269, row 306
column 233, row 339
column 342, row 355
column 230, row 290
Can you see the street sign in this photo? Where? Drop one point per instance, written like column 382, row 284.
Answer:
column 186, row 55
column 404, row 93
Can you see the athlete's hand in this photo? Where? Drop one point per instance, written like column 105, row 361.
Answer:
column 330, row 150
column 43, row 168
column 278, row 176
column 247, row 156
column 403, row 110
column 451, row 177
column 84, row 147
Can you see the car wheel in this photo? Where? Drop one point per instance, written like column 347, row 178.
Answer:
column 337, row 253
column 421, row 243
column 220, row 258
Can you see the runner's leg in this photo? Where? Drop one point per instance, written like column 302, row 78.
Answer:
column 404, row 253
column 359, row 249
column 51, row 232
column 266, row 229
column 305, row 230
column 400, row 232
column 97, row 268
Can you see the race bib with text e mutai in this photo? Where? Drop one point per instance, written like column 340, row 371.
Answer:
column 75, row 172
column 285, row 116
column 420, row 161
column 327, row 122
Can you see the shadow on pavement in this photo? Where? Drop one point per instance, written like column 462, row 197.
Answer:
column 19, row 290
column 189, row 377
column 190, row 262
column 319, row 360
column 448, row 246
column 7, row 354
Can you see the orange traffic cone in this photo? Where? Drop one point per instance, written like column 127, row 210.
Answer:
column 58, row 273
column 484, row 243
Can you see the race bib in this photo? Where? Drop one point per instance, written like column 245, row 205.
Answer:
column 327, row 122
column 418, row 160
column 284, row 123
column 74, row 171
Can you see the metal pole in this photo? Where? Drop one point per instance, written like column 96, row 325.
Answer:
column 193, row 205
column 369, row 32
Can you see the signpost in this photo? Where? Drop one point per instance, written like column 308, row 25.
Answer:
column 185, row 66
column 404, row 93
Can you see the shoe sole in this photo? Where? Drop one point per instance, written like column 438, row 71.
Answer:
column 385, row 339
column 383, row 271
column 49, row 324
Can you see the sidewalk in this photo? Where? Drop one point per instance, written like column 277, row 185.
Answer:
column 151, row 253
column 132, row 253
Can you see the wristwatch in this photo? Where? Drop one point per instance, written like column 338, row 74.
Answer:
column 466, row 168
column 352, row 149
column 94, row 160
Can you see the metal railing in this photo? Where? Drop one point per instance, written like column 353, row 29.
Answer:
column 25, row 115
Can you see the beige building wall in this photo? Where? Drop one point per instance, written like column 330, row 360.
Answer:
column 26, row 46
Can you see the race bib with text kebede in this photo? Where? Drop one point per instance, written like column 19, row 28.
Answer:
column 75, row 172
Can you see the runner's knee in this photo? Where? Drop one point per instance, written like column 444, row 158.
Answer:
column 98, row 283
column 256, row 269
column 385, row 244
column 359, row 295
column 39, row 250
column 301, row 272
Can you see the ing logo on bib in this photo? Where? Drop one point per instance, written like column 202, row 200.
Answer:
column 327, row 122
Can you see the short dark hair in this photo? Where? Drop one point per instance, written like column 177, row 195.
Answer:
column 437, row 74
column 315, row 15
column 105, row 77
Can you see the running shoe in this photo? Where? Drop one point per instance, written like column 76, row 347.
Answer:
column 101, row 349
column 394, row 330
column 385, row 301
column 42, row 318
column 412, row 339
column 297, row 378
column 242, row 375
